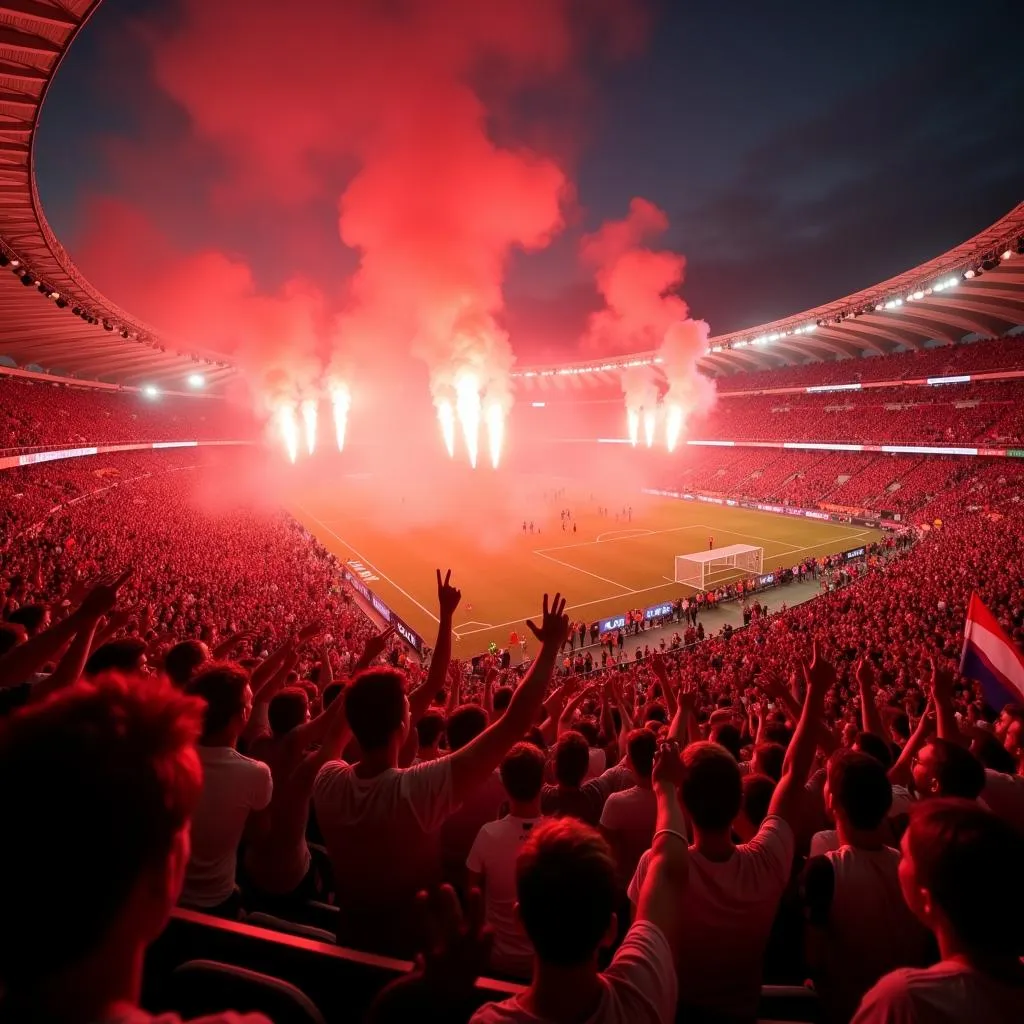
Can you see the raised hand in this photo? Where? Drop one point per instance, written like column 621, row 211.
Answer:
column 377, row 644
column 554, row 628
column 448, row 597
column 820, row 675
column 102, row 597
column 688, row 697
column 940, row 682
column 865, row 674
column 668, row 765
column 458, row 946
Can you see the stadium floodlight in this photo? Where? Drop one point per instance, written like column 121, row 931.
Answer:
column 703, row 569
column 150, row 391
column 196, row 380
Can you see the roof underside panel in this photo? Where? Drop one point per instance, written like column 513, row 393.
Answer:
column 34, row 35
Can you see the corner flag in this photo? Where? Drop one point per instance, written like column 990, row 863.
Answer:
column 991, row 657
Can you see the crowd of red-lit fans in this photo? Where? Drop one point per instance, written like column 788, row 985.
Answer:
column 223, row 788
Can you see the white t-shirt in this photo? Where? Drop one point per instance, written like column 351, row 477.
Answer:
column 729, row 908
column 233, row 786
column 948, row 993
column 596, row 763
column 854, row 896
column 1004, row 796
column 493, row 855
column 639, row 986
column 630, row 815
column 382, row 837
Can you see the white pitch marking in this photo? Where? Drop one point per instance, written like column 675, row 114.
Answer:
column 571, row 607
column 587, row 572
column 366, row 561
column 620, row 534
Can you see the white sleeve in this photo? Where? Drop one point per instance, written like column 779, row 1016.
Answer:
column 772, row 850
column 889, row 1002
column 642, row 976
column 428, row 790
column 477, row 855
column 609, row 813
column 823, row 842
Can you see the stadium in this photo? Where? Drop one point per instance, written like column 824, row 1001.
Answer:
column 285, row 597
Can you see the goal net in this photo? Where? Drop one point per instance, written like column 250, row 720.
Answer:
column 703, row 569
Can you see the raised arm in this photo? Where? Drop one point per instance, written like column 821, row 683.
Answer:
column 661, row 896
column 901, row 774
column 870, row 716
column 570, row 709
column 788, row 796
column 660, row 669
column 685, row 713
column 71, row 665
column 18, row 665
column 448, row 598
column 375, row 647
column 489, row 677
column 474, row 762
column 258, row 722
column 941, row 685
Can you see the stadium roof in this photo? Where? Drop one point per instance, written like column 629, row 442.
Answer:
column 107, row 343
column 41, row 330
column 932, row 303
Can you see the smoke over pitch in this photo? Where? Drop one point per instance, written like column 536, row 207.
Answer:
column 642, row 312
column 391, row 117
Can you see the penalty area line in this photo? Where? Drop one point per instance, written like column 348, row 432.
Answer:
column 587, row 572
column 366, row 561
column 621, row 535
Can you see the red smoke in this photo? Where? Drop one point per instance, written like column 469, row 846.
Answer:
column 637, row 283
column 643, row 312
column 388, row 111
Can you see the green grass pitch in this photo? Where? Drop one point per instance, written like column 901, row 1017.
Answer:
column 604, row 568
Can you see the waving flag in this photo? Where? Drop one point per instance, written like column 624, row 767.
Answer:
column 991, row 657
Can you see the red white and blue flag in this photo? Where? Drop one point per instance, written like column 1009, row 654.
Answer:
column 991, row 658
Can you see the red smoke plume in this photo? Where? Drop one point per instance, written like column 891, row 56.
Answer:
column 643, row 312
column 379, row 108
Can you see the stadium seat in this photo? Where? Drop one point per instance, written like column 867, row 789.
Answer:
column 200, row 987
column 341, row 982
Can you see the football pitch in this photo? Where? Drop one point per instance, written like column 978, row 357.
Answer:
column 611, row 563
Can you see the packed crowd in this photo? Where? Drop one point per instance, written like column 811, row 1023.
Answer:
column 817, row 796
column 33, row 413
column 953, row 415
column 1005, row 353
column 919, row 489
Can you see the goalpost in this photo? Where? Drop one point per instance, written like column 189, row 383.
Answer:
column 708, row 568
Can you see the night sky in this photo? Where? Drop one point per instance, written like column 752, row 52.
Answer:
column 800, row 151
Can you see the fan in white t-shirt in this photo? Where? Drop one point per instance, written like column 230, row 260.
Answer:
column 858, row 927
column 492, row 860
column 567, row 891
column 381, row 822
column 733, row 892
column 235, row 788
column 958, row 875
column 627, row 820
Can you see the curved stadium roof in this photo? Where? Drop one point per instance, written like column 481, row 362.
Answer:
column 104, row 342
column 37, row 331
